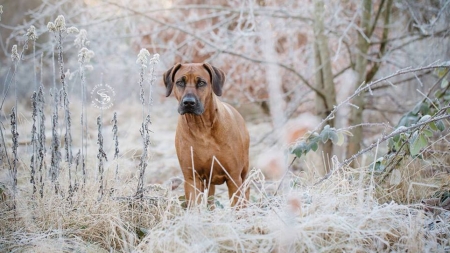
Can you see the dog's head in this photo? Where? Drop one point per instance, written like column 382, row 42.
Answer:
column 194, row 85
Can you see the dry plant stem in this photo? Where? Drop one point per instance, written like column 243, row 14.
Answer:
column 142, row 92
column 15, row 159
column 100, row 156
column 145, row 133
column 33, row 143
column 15, row 136
column 41, row 138
column 73, row 188
column 55, row 153
column 4, row 144
column 383, row 139
column 151, row 81
column 13, row 76
column 83, row 120
column 241, row 189
column 284, row 176
column 66, row 103
column 193, row 177
column 77, row 163
column 116, row 144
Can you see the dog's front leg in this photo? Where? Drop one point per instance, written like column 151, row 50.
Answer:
column 211, row 192
column 235, row 191
column 192, row 191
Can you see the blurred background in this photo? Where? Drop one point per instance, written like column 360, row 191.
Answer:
column 287, row 63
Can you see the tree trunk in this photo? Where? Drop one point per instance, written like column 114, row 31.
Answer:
column 324, row 74
column 360, row 69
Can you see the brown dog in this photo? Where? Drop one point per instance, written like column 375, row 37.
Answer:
column 208, row 128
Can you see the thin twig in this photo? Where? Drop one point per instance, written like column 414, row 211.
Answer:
column 383, row 139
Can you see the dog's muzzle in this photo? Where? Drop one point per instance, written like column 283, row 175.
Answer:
column 190, row 104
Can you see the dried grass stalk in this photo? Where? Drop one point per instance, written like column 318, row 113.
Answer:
column 145, row 133
column 41, row 150
column 15, row 158
column 116, row 144
column 100, row 156
column 33, row 143
column 55, row 153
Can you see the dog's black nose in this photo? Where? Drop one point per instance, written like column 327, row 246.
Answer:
column 189, row 101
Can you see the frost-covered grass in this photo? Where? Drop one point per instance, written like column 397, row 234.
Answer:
column 341, row 214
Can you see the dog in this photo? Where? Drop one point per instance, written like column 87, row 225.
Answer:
column 211, row 140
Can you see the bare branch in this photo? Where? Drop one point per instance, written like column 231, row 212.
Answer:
column 371, row 85
column 211, row 44
column 383, row 139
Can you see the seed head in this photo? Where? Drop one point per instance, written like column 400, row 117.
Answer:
column 85, row 55
column 143, row 57
column 51, row 27
column 72, row 29
column 81, row 39
column 31, row 33
column 14, row 54
column 60, row 23
column 154, row 59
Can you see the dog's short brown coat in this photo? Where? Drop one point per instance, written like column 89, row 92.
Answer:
column 210, row 128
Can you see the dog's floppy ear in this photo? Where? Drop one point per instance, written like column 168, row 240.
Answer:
column 168, row 78
column 217, row 78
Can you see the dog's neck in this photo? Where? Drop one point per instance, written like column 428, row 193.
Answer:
column 207, row 119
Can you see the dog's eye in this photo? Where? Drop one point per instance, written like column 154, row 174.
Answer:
column 180, row 84
column 201, row 84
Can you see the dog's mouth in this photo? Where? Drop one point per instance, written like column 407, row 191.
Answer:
column 196, row 109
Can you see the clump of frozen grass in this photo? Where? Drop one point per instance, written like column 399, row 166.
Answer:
column 339, row 215
column 1, row 12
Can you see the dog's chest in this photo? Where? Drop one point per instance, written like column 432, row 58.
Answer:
column 206, row 152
